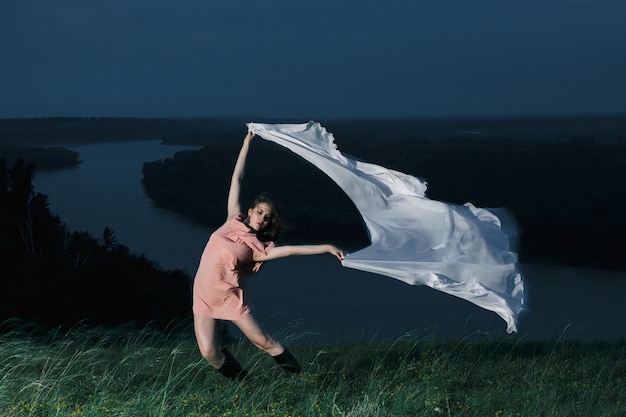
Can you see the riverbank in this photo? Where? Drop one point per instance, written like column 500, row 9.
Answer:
column 316, row 294
column 562, row 183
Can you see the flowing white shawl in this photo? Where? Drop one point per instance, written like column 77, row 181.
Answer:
column 460, row 250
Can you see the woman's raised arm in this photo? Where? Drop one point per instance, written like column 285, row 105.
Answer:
column 234, row 205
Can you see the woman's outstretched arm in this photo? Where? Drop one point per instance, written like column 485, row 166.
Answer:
column 234, row 205
column 294, row 250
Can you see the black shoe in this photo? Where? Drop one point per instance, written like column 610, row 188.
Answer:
column 288, row 362
column 231, row 369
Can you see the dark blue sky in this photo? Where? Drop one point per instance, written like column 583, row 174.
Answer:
column 311, row 59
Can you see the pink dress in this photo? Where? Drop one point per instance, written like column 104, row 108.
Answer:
column 227, row 258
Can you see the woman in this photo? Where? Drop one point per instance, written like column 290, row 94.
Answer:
column 236, row 249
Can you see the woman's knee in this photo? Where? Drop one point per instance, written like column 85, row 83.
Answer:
column 212, row 355
column 205, row 329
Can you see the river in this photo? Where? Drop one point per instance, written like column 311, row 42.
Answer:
column 315, row 296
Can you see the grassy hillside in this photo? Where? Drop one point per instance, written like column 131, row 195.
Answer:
column 158, row 372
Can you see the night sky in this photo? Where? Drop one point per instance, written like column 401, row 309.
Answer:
column 311, row 59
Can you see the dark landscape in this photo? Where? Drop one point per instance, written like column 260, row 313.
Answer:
column 562, row 178
column 90, row 328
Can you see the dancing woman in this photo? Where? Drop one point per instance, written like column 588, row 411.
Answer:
column 237, row 249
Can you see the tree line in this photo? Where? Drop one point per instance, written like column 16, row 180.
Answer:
column 44, row 131
column 52, row 275
column 567, row 195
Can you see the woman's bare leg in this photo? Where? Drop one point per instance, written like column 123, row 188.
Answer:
column 258, row 337
column 205, row 329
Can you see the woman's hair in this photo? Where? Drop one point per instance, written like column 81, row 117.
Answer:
column 273, row 228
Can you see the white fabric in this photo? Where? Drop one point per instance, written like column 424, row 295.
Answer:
column 460, row 250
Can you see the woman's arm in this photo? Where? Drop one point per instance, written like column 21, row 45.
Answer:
column 284, row 251
column 233, row 205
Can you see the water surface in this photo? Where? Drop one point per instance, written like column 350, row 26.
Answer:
column 315, row 295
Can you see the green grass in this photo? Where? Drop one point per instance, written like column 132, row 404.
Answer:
column 153, row 372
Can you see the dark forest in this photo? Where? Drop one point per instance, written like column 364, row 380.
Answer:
column 52, row 275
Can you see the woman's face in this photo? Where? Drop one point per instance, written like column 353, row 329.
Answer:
column 260, row 216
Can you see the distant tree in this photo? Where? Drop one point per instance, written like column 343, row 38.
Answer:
column 109, row 239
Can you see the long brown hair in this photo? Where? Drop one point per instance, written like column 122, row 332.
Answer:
column 272, row 229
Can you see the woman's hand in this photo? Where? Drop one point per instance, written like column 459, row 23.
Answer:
column 335, row 251
column 250, row 134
